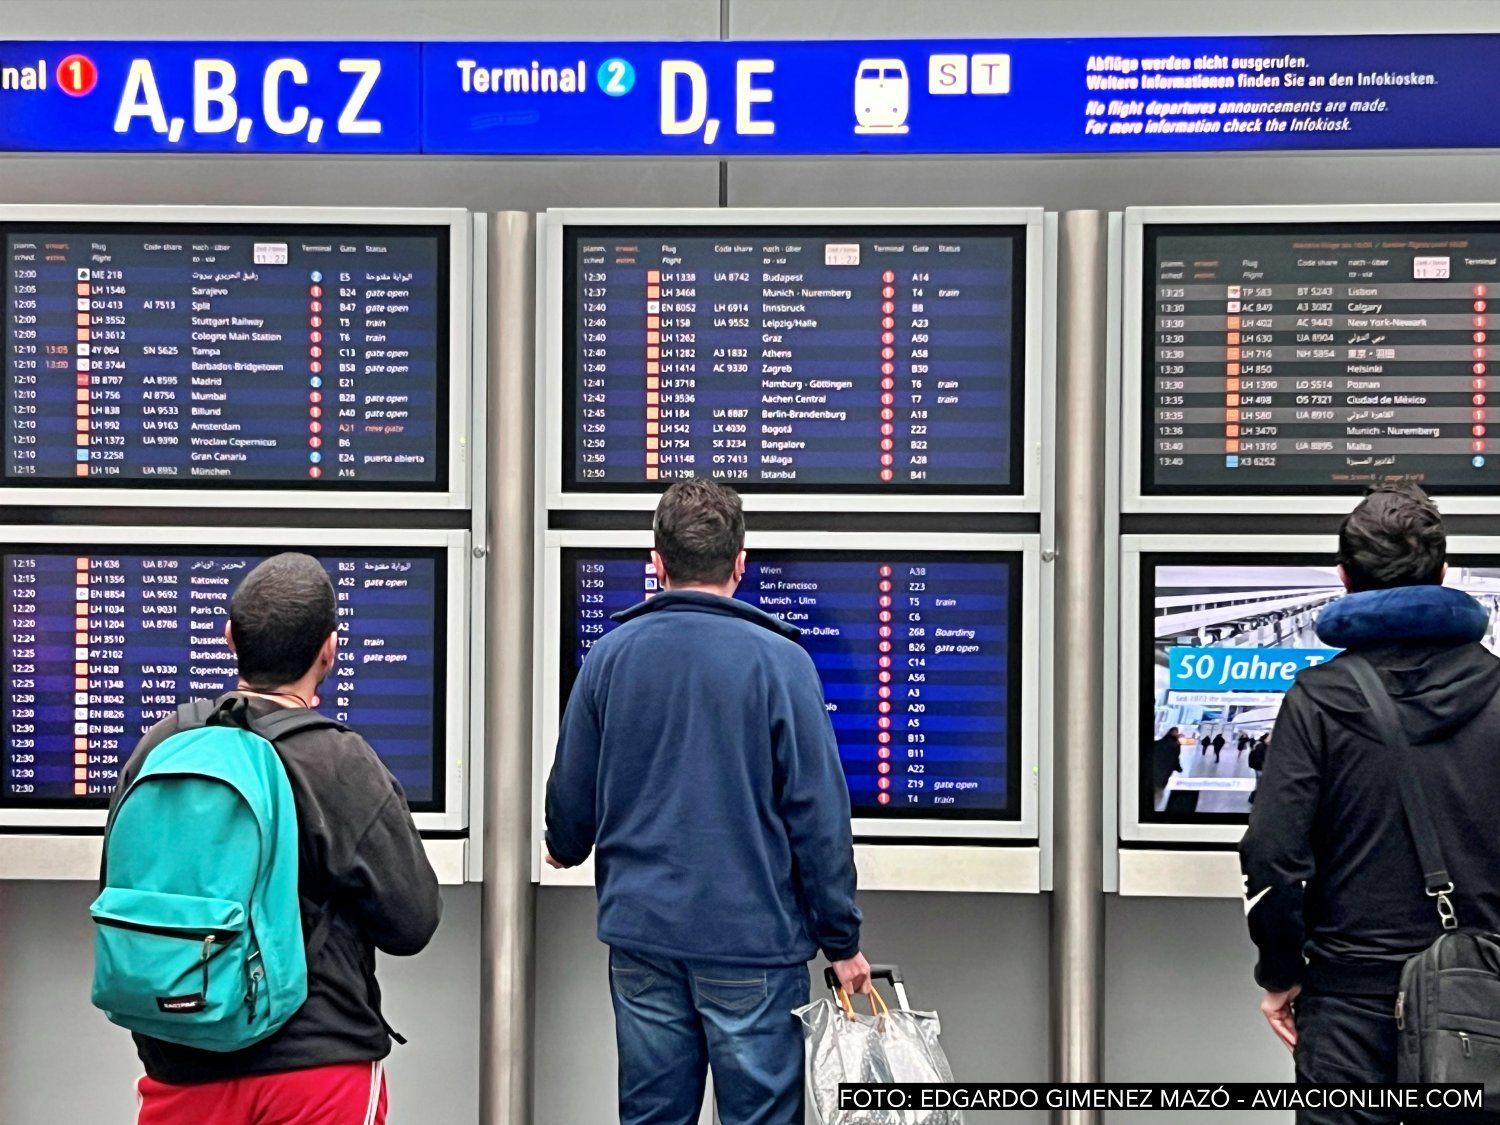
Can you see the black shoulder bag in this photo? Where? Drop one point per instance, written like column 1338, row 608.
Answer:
column 1448, row 1009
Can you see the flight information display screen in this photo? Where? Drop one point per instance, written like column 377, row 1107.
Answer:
column 882, row 360
column 1293, row 359
column 919, row 654
column 102, row 642
column 1221, row 643
column 175, row 355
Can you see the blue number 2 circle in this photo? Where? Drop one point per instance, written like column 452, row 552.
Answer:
column 615, row 77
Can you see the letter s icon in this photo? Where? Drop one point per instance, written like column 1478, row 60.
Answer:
column 948, row 74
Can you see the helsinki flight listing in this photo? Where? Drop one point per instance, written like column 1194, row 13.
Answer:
column 1317, row 358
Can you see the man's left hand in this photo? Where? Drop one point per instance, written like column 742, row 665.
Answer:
column 1277, row 1008
column 554, row 864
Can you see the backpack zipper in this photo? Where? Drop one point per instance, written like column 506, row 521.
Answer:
column 209, row 938
column 1463, row 1040
column 1401, row 1011
column 257, row 974
column 168, row 931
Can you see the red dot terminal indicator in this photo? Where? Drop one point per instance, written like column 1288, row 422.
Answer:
column 77, row 75
column 1478, row 369
column 884, row 751
column 1481, row 290
column 1480, row 306
column 884, row 782
column 884, row 767
column 883, row 798
column 886, row 474
column 885, row 572
column 314, row 472
column 315, row 292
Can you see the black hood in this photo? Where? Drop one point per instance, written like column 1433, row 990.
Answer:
column 1438, row 688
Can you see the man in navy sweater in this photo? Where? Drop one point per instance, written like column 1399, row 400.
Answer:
column 698, row 763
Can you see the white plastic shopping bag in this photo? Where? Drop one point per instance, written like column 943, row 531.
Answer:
column 885, row 1046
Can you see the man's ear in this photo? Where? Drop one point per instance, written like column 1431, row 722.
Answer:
column 661, row 570
column 1344, row 578
column 739, row 566
column 328, row 654
column 1443, row 576
column 229, row 636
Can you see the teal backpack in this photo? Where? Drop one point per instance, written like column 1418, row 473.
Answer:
column 198, row 929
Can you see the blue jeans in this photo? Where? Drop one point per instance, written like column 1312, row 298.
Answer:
column 674, row 1020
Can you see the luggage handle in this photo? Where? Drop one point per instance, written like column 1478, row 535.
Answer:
column 891, row 973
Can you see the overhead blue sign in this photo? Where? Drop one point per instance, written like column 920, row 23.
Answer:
column 773, row 98
column 1240, row 669
column 210, row 97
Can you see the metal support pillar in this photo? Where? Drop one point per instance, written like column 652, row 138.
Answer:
column 1077, row 945
column 509, row 899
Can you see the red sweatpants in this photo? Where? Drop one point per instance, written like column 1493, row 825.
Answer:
column 347, row 1094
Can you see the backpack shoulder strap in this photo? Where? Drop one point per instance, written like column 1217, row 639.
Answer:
column 290, row 721
column 1435, row 878
column 284, row 724
column 195, row 713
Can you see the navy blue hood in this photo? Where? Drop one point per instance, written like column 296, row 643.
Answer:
column 1403, row 614
column 700, row 602
column 1424, row 640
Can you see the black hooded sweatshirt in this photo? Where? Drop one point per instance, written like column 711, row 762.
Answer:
column 362, row 861
column 1334, row 891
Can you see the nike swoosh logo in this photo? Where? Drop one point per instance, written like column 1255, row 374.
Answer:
column 1250, row 902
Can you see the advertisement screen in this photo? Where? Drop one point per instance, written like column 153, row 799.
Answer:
column 1221, row 643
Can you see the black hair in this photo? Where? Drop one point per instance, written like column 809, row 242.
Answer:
column 1394, row 538
column 700, row 531
column 279, row 616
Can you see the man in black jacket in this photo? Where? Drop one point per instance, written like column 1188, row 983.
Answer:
column 361, row 861
column 1334, row 891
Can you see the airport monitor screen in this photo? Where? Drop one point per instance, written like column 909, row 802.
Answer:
column 102, row 642
column 919, row 653
column 234, row 356
column 795, row 359
column 1319, row 358
column 1221, row 642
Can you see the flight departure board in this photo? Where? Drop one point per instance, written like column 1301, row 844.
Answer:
column 1319, row 358
column 228, row 356
column 1221, row 643
column 794, row 359
column 102, row 642
column 919, row 654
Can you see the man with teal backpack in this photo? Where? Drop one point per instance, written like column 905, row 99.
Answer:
column 257, row 856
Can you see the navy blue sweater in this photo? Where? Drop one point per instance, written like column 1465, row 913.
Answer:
column 697, row 760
